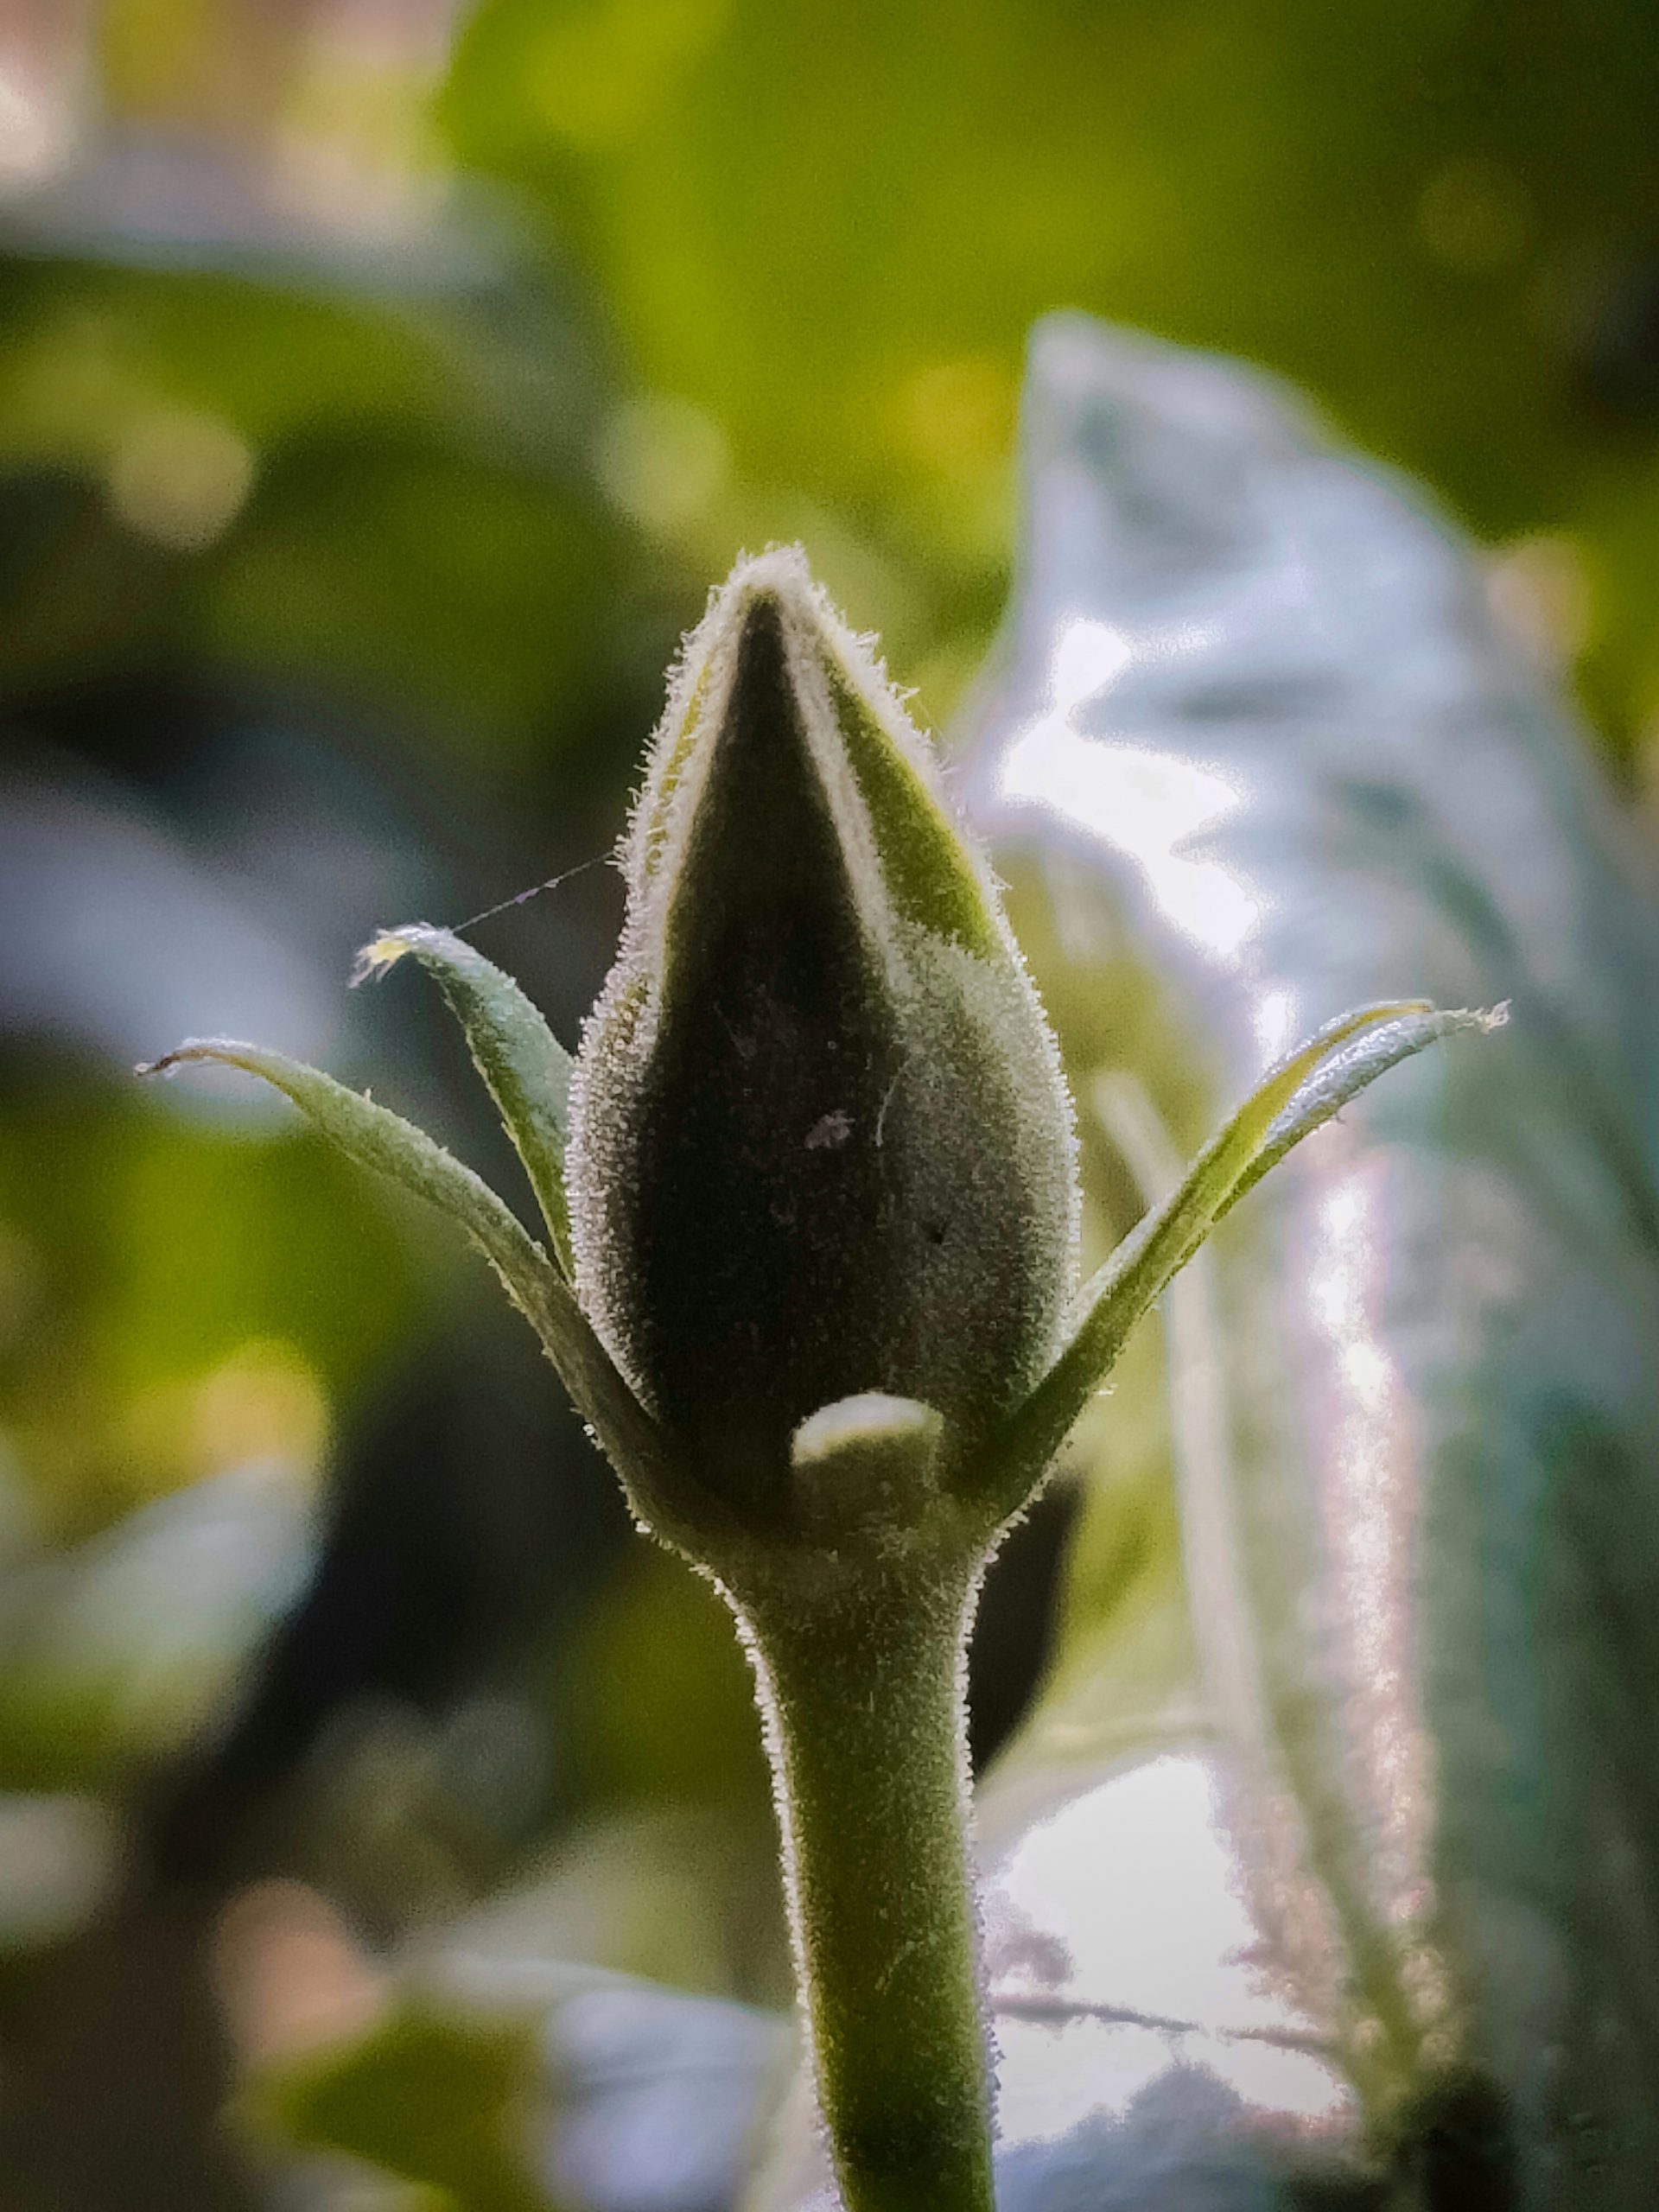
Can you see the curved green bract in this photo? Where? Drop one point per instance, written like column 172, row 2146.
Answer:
column 375, row 1137
column 524, row 1065
column 1304, row 1091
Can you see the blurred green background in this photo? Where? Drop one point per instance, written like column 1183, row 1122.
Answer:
column 382, row 384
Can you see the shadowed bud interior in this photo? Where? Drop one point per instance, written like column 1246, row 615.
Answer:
column 820, row 1144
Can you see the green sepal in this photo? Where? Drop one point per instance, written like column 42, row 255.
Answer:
column 866, row 1462
column 1301, row 1094
column 525, row 1067
column 375, row 1137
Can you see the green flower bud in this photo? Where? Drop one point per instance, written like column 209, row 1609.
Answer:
column 820, row 1143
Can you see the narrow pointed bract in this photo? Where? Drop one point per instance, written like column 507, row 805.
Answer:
column 820, row 1144
column 525, row 1068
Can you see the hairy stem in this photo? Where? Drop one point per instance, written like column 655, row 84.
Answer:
column 862, row 1689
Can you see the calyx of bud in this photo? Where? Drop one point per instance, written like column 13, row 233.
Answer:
column 820, row 1144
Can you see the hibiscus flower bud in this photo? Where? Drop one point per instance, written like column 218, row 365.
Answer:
column 821, row 1145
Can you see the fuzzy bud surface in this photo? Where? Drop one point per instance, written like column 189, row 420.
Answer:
column 821, row 1145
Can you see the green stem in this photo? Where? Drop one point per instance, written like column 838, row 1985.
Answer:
column 862, row 1688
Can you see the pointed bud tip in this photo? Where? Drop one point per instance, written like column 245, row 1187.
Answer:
column 780, row 579
column 826, row 666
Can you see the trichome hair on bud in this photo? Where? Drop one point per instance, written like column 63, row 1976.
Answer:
column 821, row 1145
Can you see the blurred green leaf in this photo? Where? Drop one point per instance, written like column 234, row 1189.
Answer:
column 1424, row 214
column 533, row 2082
column 113, row 1656
column 307, row 459
column 433, row 2098
column 133, row 1293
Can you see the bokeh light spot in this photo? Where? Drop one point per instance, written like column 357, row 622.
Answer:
column 1474, row 216
column 181, row 479
column 664, row 461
